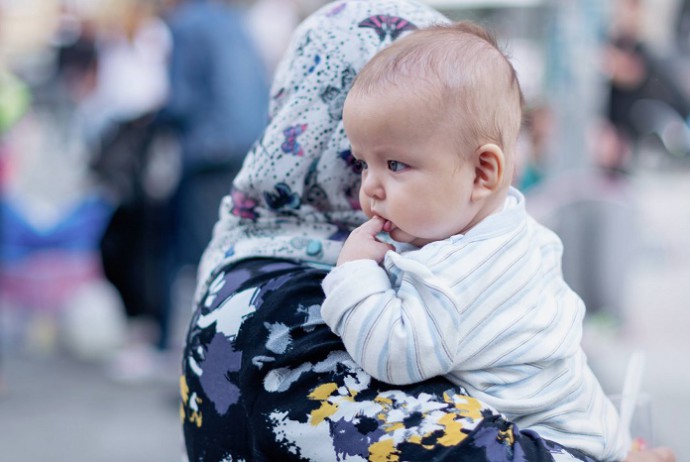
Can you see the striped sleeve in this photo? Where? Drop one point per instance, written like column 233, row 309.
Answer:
column 398, row 335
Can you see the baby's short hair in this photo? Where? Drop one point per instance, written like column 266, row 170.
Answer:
column 459, row 67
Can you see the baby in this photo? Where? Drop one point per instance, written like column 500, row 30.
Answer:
column 470, row 287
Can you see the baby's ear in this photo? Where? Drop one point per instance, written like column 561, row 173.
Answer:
column 489, row 167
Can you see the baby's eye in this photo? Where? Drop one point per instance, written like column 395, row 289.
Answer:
column 360, row 165
column 395, row 166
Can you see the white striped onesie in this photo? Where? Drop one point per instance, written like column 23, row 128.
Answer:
column 489, row 310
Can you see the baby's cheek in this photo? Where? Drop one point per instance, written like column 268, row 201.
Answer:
column 398, row 235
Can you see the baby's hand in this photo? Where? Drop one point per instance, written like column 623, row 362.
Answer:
column 362, row 243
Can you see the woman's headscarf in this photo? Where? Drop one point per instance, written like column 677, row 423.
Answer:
column 296, row 196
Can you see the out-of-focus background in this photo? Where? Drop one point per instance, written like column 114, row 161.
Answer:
column 122, row 122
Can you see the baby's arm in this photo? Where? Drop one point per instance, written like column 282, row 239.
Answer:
column 398, row 336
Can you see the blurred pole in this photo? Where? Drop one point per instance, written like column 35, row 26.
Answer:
column 574, row 83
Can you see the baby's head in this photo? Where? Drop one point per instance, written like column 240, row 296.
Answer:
column 447, row 97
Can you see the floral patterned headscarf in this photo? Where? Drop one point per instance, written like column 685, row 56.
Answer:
column 296, row 196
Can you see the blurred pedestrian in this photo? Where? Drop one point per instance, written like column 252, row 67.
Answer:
column 216, row 106
column 131, row 80
column 116, row 119
column 644, row 98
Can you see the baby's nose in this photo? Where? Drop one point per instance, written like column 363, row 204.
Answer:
column 372, row 187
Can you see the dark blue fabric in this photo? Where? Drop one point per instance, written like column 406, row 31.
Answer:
column 264, row 379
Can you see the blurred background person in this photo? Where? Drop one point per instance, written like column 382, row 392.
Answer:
column 217, row 93
column 217, row 88
column 644, row 97
column 132, row 52
column 115, row 123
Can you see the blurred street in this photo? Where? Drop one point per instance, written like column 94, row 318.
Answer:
column 57, row 408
